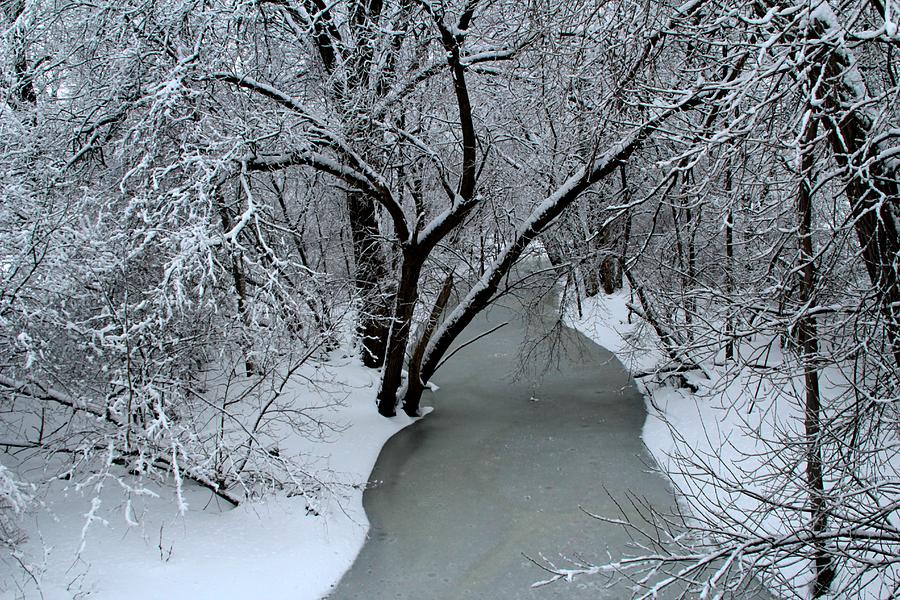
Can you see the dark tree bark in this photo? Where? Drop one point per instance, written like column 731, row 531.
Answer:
column 415, row 386
column 481, row 294
column 626, row 235
column 404, row 307
column 871, row 185
column 240, row 281
column 369, row 254
column 370, row 278
column 808, row 341
column 24, row 93
column 417, row 248
column 610, row 275
column 609, row 271
column 873, row 204
column 370, row 264
column 729, row 266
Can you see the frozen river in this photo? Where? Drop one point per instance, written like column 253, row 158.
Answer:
column 500, row 469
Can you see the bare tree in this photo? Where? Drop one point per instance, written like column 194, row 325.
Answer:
column 793, row 163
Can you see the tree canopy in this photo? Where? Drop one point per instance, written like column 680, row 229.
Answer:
column 228, row 183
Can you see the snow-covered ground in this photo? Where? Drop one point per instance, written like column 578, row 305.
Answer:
column 99, row 542
column 725, row 442
column 91, row 543
column 695, row 438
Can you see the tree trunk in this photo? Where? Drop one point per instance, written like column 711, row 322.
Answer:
column 593, row 279
column 414, row 384
column 807, row 338
column 240, row 285
column 729, row 267
column 871, row 187
column 24, row 93
column 875, row 222
column 398, row 338
column 626, row 236
column 370, row 276
column 556, row 254
column 373, row 322
column 610, row 275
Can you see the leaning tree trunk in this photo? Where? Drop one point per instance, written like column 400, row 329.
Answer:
column 414, row 384
column 398, row 338
column 481, row 294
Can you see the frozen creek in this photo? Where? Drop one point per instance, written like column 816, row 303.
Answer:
column 501, row 468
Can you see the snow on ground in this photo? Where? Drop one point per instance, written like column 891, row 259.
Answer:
column 604, row 319
column 265, row 549
column 726, row 439
column 718, row 434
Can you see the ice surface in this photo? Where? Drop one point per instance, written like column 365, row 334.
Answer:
column 493, row 475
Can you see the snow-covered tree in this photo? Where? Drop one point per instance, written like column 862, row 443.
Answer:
column 764, row 258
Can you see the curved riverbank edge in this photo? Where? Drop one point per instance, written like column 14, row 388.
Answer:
column 534, row 425
column 713, row 423
column 280, row 547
